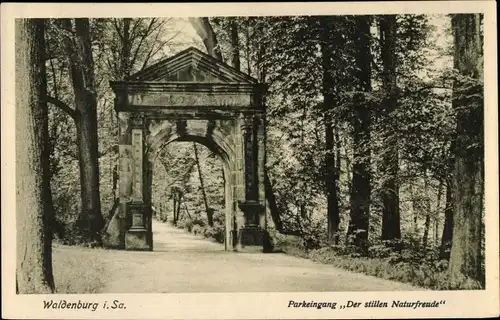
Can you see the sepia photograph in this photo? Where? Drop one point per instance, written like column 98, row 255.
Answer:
column 219, row 154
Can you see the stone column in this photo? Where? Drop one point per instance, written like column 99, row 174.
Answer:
column 120, row 222
column 136, row 238
column 228, row 197
column 261, row 167
column 251, row 233
column 148, row 183
column 237, row 188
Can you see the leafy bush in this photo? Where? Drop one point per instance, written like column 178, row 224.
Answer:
column 197, row 230
column 217, row 232
column 392, row 261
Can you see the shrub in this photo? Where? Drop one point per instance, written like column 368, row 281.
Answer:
column 217, row 232
column 395, row 261
column 197, row 230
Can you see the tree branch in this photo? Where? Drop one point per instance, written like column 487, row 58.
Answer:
column 117, row 29
column 143, row 37
column 63, row 106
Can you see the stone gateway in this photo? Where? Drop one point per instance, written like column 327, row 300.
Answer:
column 190, row 96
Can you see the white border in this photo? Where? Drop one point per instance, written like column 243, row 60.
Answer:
column 249, row 305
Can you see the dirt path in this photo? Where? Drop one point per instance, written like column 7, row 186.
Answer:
column 183, row 262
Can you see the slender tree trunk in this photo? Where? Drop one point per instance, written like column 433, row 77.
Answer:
column 247, row 42
column 187, row 212
column 235, row 45
column 208, row 210
column 125, row 67
column 444, row 252
column 436, row 213
column 34, row 255
column 468, row 171
column 333, row 218
column 261, row 69
column 361, row 188
column 427, row 224
column 391, row 228
column 174, row 205
column 338, row 164
column 179, row 201
column 273, row 205
column 414, row 209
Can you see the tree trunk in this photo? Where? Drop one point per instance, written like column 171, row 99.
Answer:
column 34, row 255
column 391, row 228
column 179, row 201
column 427, row 224
column 273, row 205
column 235, row 45
column 125, row 67
column 338, row 164
column 91, row 221
column 247, row 47
column 174, row 205
column 414, row 209
column 444, row 252
column 360, row 188
column 208, row 210
column 468, row 174
column 333, row 218
column 436, row 213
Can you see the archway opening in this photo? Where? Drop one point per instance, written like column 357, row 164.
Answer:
column 190, row 192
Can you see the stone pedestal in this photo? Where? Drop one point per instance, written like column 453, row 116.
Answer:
column 136, row 238
column 251, row 236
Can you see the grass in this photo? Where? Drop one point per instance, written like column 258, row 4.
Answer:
column 77, row 270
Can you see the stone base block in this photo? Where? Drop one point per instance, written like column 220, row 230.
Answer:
column 251, row 236
column 137, row 239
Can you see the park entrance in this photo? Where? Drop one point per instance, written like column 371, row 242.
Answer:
column 190, row 96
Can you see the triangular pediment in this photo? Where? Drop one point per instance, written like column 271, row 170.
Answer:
column 192, row 65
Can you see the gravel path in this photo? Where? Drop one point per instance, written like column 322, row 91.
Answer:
column 182, row 262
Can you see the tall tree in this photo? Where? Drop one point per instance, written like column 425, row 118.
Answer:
column 78, row 47
column 468, row 171
column 360, row 188
column 33, row 214
column 328, row 85
column 391, row 228
column 134, row 44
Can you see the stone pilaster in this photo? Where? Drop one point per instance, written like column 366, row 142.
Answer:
column 120, row 222
column 137, row 236
column 251, row 233
column 261, row 161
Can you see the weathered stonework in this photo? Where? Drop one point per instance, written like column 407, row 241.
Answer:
column 190, row 97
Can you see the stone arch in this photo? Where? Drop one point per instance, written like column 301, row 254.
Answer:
column 210, row 133
column 227, row 161
column 191, row 97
